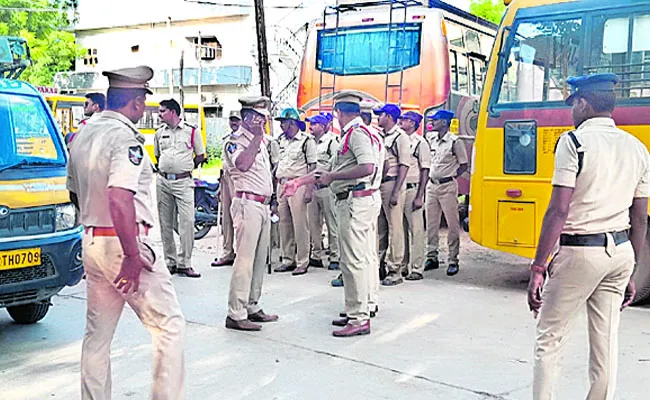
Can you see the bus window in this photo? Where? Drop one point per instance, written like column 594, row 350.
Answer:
column 613, row 51
column 149, row 120
column 365, row 49
column 472, row 42
column 463, row 78
column 192, row 116
column 541, row 57
column 476, row 71
column 454, row 35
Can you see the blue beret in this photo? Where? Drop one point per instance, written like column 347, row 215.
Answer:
column 591, row 83
column 443, row 114
column 318, row 119
column 391, row 109
column 413, row 116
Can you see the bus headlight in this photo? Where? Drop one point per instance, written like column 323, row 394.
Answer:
column 66, row 217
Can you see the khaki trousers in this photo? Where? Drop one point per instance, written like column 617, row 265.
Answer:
column 252, row 235
column 294, row 228
column 395, row 232
column 227, row 229
column 356, row 227
column 373, row 256
column 322, row 208
column 176, row 204
column 155, row 304
column 414, row 234
column 580, row 276
column 443, row 199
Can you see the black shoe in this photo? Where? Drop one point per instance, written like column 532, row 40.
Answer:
column 405, row 272
column 452, row 269
column 414, row 276
column 431, row 264
column 316, row 263
column 172, row 269
column 373, row 314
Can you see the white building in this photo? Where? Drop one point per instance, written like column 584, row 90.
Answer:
column 157, row 32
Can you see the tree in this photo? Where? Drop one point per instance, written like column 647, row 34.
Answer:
column 44, row 24
column 492, row 10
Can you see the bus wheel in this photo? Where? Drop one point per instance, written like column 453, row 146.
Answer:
column 29, row 313
column 642, row 274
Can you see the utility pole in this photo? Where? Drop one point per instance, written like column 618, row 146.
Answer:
column 171, row 52
column 262, row 52
column 200, row 77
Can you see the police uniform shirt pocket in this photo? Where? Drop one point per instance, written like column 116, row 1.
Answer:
column 165, row 142
column 147, row 251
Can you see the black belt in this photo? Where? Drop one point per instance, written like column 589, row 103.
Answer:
column 389, row 179
column 593, row 240
column 344, row 195
column 174, row 177
column 440, row 181
column 411, row 186
column 319, row 186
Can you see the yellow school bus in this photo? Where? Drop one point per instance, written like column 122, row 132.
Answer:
column 539, row 45
column 68, row 112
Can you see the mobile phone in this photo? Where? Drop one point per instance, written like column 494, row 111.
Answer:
column 538, row 294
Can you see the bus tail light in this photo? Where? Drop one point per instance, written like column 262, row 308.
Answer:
column 418, row 17
column 367, row 20
column 514, row 193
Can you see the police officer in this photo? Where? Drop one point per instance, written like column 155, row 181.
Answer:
column 448, row 162
column 225, row 196
column 393, row 195
column 590, row 213
column 416, row 183
column 350, row 175
column 179, row 149
column 94, row 104
column 109, row 178
column 297, row 158
column 247, row 161
column 322, row 205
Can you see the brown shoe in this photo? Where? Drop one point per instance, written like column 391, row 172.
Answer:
column 243, row 325
column 341, row 322
column 261, row 316
column 188, row 272
column 353, row 330
column 300, row 271
column 222, row 262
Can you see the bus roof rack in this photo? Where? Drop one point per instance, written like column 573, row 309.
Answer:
column 14, row 57
column 353, row 5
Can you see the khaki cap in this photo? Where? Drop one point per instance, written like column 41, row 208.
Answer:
column 347, row 98
column 130, row 78
column 258, row 104
column 367, row 106
column 234, row 114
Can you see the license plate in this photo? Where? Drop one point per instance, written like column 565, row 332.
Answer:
column 22, row 258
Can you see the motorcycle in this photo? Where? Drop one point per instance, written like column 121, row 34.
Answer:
column 206, row 207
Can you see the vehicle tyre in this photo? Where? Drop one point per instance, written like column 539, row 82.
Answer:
column 29, row 313
column 642, row 275
column 200, row 230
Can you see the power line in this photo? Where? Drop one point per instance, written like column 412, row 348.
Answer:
column 216, row 3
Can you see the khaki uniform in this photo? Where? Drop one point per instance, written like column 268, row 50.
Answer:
column 274, row 154
column 110, row 153
column 414, row 220
column 397, row 145
column 442, row 198
column 356, row 215
column 372, row 253
column 175, row 149
column 225, row 197
column 252, row 225
column 322, row 205
column 295, row 155
column 595, row 276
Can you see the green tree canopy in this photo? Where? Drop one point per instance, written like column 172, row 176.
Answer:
column 492, row 10
column 44, row 24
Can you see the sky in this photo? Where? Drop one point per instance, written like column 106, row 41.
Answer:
column 94, row 13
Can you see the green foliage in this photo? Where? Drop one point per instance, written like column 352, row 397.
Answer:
column 52, row 47
column 214, row 154
column 491, row 10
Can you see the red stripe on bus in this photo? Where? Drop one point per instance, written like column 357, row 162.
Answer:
column 549, row 117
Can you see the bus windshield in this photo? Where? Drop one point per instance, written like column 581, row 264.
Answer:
column 544, row 52
column 28, row 136
column 366, row 50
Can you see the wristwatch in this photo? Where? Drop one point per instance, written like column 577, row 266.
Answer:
column 537, row 268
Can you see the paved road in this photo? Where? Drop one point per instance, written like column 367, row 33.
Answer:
column 467, row 337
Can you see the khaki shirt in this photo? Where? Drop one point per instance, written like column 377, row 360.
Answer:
column 110, row 153
column 257, row 179
column 326, row 146
column 174, row 149
column 295, row 155
column 356, row 148
column 615, row 170
column 273, row 148
column 447, row 154
column 420, row 157
column 380, row 154
column 397, row 149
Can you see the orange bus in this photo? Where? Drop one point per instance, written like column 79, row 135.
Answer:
column 540, row 44
column 398, row 51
